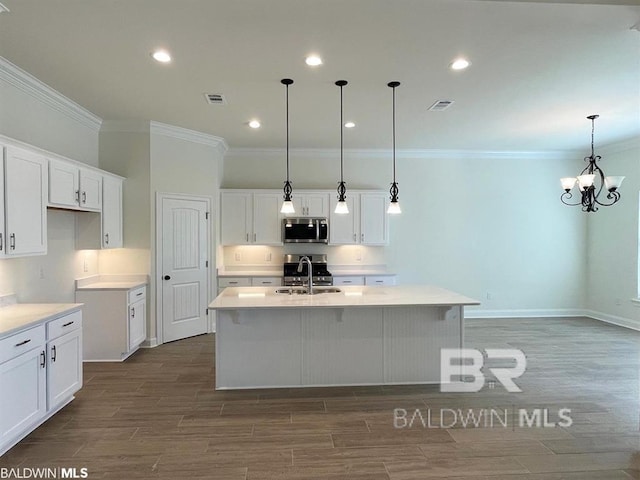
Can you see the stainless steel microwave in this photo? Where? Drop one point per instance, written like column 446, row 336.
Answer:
column 305, row 230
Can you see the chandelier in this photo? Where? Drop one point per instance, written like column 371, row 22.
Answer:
column 590, row 183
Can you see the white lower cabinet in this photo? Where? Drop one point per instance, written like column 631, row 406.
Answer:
column 348, row 280
column 116, row 322
column 40, row 370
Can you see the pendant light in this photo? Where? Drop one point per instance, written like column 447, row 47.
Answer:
column 341, row 207
column 394, row 205
column 287, row 205
column 591, row 181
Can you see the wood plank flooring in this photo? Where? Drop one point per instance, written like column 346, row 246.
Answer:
column 157, row 416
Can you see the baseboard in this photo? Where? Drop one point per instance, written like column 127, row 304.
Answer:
column 613, row 319
column 150, row 343
column 532, row 313
column 560, row 312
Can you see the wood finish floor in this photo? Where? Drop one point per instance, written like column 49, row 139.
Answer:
column 157, row 416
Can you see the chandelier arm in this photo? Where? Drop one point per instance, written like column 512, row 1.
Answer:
column 568, row 195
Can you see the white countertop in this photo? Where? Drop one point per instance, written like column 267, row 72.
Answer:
column 250, row 273
column 111, row 282
column 350, row 296
column 19, row 316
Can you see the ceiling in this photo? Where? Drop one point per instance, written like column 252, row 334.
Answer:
column 538, row 68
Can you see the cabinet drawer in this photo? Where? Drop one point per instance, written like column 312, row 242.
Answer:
column 63, row 325
column 224, row 282
column 137, row 294
column 266, row 281
column 380, row 280
column 22, row 342
column 348, row 280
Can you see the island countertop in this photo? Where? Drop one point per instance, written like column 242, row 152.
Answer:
column 238, row 298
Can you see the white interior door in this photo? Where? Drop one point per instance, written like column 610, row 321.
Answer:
column 184, row 247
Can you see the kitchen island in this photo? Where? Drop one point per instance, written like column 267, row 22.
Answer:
column 275, row 337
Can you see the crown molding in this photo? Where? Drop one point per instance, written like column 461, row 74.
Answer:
column 125, row 126
column 421, row 154
column 632, row 143
column 27, row 83
column 193, row 136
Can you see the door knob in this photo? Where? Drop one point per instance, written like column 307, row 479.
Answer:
column 167, row 277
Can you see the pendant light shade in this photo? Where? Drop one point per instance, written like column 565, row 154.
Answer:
column 287, row 204
column 341, row 207
column 394, row 205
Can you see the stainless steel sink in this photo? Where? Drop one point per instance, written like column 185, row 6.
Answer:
column 303, row 291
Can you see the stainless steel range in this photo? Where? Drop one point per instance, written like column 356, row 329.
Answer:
column 293, row 278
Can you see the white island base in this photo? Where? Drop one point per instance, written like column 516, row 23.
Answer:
column 333, row 339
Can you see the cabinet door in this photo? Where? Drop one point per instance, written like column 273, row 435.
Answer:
column 26, row 202
column 374, row 229
column 111, row 213
column 298, row 206
column 90, row 190
column 235, row 216
column 266, row 219
column 343, row 228
column 137, row 323
column 64, row 184
column 317, row 204
column 3, row 238
column 23, row 399
column 64, row 374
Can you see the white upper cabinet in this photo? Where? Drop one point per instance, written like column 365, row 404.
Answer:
column 250, row 218
column 374, row 223
column 310, row 204
column 74, row 187
column 111, row 212
column 365, row 224
column 25, row 209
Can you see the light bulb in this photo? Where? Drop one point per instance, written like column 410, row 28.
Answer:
column 161, row 56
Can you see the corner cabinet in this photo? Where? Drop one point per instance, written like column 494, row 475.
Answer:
column 365, row 224
column 23, row 217
column 102, row 230
column 250, row 218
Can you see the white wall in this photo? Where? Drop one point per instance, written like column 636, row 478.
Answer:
column 613, row 242
column 475, row 225
column 60, row 127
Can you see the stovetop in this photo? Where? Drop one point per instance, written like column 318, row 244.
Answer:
column 321, row 275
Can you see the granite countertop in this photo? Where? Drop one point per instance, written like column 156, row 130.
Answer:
column 238, row 298
column 19, row 316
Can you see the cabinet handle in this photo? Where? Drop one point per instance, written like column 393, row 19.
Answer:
column 255, row 235
column 133, row 312
column 362, row 237
column 24, row 342
column 139, row 294
column 1, row 243
column 354, row 237
column 247, row 238
column 67, row 324
column 43, row 359
column 106, row 238
column 84, row 197
column 78, row 196
column 167, row 277
column 233, row 283
column 347, row 281
column 53, row 353
column 12, row 241
column 379, row 281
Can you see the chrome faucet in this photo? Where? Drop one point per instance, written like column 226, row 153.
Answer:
column 309, row 271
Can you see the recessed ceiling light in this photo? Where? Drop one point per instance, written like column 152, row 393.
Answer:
column 161, row 56
column 349, row 125
column 313, row 60
column 254, row 124
column 460, row 64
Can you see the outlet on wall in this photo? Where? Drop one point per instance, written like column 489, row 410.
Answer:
column 358, row 255
column 489, row 295
column 42, row 273
column 618, row 301
column 238, row 257
column 267, row 257
column 86, row 265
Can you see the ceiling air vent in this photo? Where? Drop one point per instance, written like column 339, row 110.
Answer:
column 215, row 99
column 441, row 105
